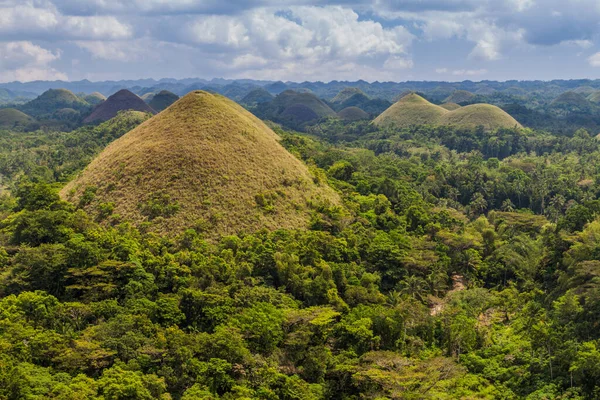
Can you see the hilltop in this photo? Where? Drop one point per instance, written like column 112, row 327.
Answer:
column 120, row 101
column 571, row 102
column 257, row 96
column 289, row 97
column 94, row 98
column 11, row 117
column 162, row 100
column 53, row 100
column 352, row 114
column 411, row 109
column 205, row 163
column 346, row 93
column 415, row 110
column 486, row 115
column 459, row 96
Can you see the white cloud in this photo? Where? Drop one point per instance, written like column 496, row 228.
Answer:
column 594, row 60
column 28, row 21
column 307, row 36
column 25, row 61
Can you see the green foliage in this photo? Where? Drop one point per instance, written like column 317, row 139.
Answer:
column 463, row 264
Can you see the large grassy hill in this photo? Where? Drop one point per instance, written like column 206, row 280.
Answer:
column 415, row 110
column 411, row 109
column 203, row 163
column 486, row 115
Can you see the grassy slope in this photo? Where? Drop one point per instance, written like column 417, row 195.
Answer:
column 411, row 109
column 10, row 116
column 53, row 100
column 94, row 98
column 570, row 99
column 486, row 115
column 213, row 158
column 352, row 114
column 289, row 97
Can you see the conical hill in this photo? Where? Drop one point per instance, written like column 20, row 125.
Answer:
column 411, row 109
column 204, row 163
column 123, row 100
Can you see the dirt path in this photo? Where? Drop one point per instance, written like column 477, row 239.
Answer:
column 458, row 284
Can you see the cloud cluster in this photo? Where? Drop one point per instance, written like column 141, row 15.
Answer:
column 288, row 39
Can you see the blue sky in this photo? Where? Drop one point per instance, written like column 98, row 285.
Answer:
column 300, row 39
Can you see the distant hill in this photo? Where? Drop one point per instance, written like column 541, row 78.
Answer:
column 204, row 163
column 572, row 102
column 94, row 98
column 412, row 109
column 459, row 96
column 486, row 115
column 415, row 110
column 594, row 97
column 298, row 114
column 450, row 106
column 347, row 93
column 11, row 117
column 352, row 114
column 53, row 100
column 162, row 100
column 257, row 96
column 120, row 101
column 276, row 87
column 368, row 105
column 293, row 107
column 584, row 90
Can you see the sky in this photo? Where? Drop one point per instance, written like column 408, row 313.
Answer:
column 300, row 40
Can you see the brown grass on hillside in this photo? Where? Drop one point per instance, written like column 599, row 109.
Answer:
column 415, row 110
column 411, row 109
column 211, row 164
column 486, row 115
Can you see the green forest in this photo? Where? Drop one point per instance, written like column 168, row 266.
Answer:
column 463, row 263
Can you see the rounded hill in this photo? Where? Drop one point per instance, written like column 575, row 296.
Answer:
column 162, row 100
column 53, row 100
column 346, row 93
column 257, row 96
column 411, row 109
column 121, row 101
column 353, row 114
column 11, row 117
column 289, row 97
column 203, row 163
column 486, row 115
column 459, row 96
column 571, row 102
column 94, row 98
